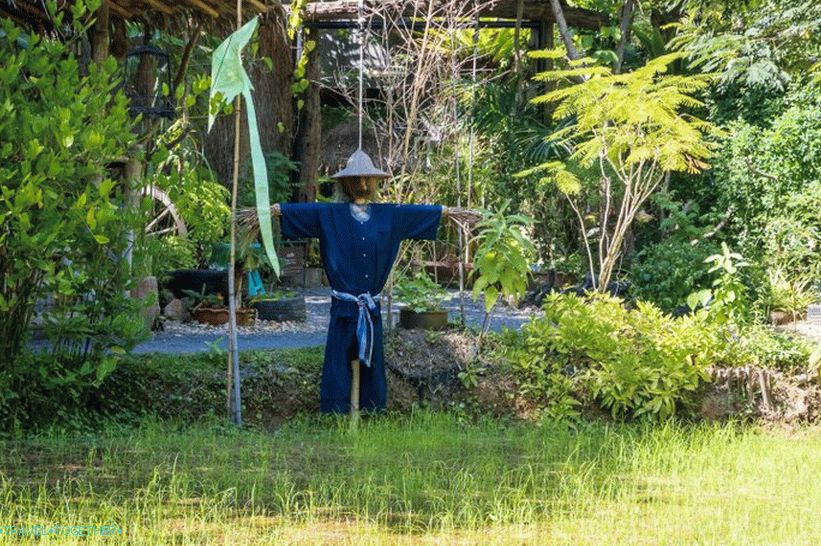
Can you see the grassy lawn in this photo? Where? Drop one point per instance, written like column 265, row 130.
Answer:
column 423, row 478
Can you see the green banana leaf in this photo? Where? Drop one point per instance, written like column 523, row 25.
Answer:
column 229, row 78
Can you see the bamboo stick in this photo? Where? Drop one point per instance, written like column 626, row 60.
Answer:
column 233, row 352
column 354, row 410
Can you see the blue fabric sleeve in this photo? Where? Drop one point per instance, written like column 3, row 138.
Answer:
column 300, row 220
column 417, row 221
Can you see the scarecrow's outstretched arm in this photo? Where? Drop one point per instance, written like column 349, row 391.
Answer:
column 464, row 218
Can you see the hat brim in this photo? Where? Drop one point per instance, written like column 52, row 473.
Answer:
column 355, row 173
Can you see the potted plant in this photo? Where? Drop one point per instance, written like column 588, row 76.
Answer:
column 206, row 308
column 280, row 306
column 423, row 303
column 211, row 309
column 788, row 299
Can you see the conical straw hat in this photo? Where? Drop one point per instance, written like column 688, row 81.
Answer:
column 360, row 164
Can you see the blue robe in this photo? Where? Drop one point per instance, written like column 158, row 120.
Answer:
column 358, row 257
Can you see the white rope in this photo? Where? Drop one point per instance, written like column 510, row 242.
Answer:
column 360, row 11
column 471, row 135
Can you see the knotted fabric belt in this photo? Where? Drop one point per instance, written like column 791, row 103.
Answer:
column 364, row 322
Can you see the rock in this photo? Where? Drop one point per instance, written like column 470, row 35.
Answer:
column 175, row 310
column 147, row 289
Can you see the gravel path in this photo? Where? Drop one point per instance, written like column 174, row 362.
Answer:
column 193, row 337
column 806, row 328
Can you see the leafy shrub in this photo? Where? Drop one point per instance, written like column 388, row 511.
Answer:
column 636, row 363
column 761, row 170
column 791, row 296
column 158, row 255
column 792, row 239
column 64, row 227
column 279, row 169
column 729, row 302
column 201, row 200
column 502, row 262
column 669, row 271
column 421, row 294
column 764, row 347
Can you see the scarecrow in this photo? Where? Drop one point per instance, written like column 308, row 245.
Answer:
column 359, row 241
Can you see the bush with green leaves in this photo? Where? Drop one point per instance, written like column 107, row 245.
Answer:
column 158, row 255
column 667, row 272
column 729, row 301
column 792, row 239
column 64, row 226
column 200, row 199
column 788, row 295
column 503, row 258
column 421, row 294
column 769, row 177
column 636, row 363
column 765, row 347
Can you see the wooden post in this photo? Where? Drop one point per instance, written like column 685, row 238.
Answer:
column 354, row 411
column 310, row 126
column 100, row 35
column 132, row 173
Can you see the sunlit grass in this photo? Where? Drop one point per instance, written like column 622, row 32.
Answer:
column 422, row 478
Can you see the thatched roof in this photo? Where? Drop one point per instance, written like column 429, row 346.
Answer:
column 221, row 14
column 157, row 13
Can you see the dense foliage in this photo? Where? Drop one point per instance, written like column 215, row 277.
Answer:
column 634, row 363
column 64, row 231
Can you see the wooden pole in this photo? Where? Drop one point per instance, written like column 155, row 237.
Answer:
column 308, row 142
column 234, row 403
column 100, row 34
column 354, row 411
column 132, row 174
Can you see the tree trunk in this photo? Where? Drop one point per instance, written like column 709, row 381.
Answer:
column 624, row 29
column 310, row 129
column 564, row 31
column 100, row 34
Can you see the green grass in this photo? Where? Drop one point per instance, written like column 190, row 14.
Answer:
column 421, row 478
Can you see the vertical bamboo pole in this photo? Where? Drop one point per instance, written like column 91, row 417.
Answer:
column 234, row 402
column 460, row 246
column 354, row 409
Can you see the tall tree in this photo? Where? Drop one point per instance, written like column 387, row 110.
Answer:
column 628, row 131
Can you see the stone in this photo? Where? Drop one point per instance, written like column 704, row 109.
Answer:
column 175, row 310
column 147, row 288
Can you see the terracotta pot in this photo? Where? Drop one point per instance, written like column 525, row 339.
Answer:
column 220, row 315
column 246, row 316
column 211, row 315
column 783, row 317
column 429, row 320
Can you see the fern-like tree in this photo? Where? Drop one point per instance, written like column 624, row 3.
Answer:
column 626, row 133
